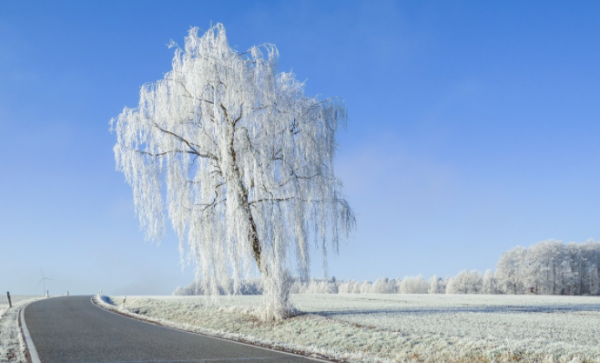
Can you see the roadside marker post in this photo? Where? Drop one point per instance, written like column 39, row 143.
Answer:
column 9, row 301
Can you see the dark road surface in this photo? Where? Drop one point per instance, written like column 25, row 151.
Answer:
column 72, row 329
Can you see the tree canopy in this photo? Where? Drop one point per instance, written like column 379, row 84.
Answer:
column 240, row 160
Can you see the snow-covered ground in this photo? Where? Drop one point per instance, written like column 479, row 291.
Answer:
column 12, row 346
column 14, row 299
column 399, row 328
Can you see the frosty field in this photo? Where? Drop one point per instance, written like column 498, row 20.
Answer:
column 12, row 347
column 15, row 300
column 399, row 328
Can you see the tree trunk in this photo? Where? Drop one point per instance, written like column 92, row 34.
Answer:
column 243, row 197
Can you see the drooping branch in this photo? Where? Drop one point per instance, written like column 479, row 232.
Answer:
column 285, row 199
column 193, row 149
column 168, row 152
column 191, row 96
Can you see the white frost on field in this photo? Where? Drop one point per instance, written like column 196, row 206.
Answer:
column 12, row 346
column 399, row 328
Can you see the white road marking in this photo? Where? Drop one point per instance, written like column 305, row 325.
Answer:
column 28, row 341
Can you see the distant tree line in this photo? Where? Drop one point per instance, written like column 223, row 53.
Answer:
column 548, row 267
column 551, row 268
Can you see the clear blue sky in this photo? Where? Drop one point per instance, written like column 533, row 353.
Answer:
column 473, row 127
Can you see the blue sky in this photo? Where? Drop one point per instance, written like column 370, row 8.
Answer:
column 473, row 127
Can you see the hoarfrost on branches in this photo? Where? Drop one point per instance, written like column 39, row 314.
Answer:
column 435, row 286
column 414, row 285
column 245, row 161
column 466, row 282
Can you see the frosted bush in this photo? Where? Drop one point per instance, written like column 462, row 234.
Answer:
column 385, row 286
column 314, row 287
column 489, row 283
column 414, row 285
column 436, row 285
column 346, row 287
column 466, row 282
column 247, row 287
column 366, row 287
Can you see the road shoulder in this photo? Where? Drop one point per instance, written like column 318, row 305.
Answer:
column 104, row 302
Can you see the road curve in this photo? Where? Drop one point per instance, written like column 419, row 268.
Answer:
column 71, row 329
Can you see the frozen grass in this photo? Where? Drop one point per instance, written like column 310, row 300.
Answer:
column 399, row 328
column 12, row 346
column 14, row 299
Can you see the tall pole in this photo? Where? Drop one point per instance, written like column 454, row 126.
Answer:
column 9, row 301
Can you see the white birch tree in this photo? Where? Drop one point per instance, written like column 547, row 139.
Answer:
column 241, row 163
column 488, row 283
column 510, row 270
column 414, row 285
column 434, row 285
column 466, row 282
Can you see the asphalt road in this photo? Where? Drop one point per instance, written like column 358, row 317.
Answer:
column 72, row 329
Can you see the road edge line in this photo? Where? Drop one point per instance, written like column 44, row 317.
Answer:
column 28, row 341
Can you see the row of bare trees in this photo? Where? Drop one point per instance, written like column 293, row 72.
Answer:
column 548, row 267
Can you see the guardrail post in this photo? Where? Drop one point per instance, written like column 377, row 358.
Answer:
column 9, row 301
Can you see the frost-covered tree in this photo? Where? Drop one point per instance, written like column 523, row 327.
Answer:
column 414, row 285
column 315, row 287
column 240, row 160
column 489, row 283
column 434, row 285
column 346, row 287
column 385, row 286
column 366, row 287
column 248, row 287
column 510, row 270
column 542, row 266
column 466, row 282
column 551, row 267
